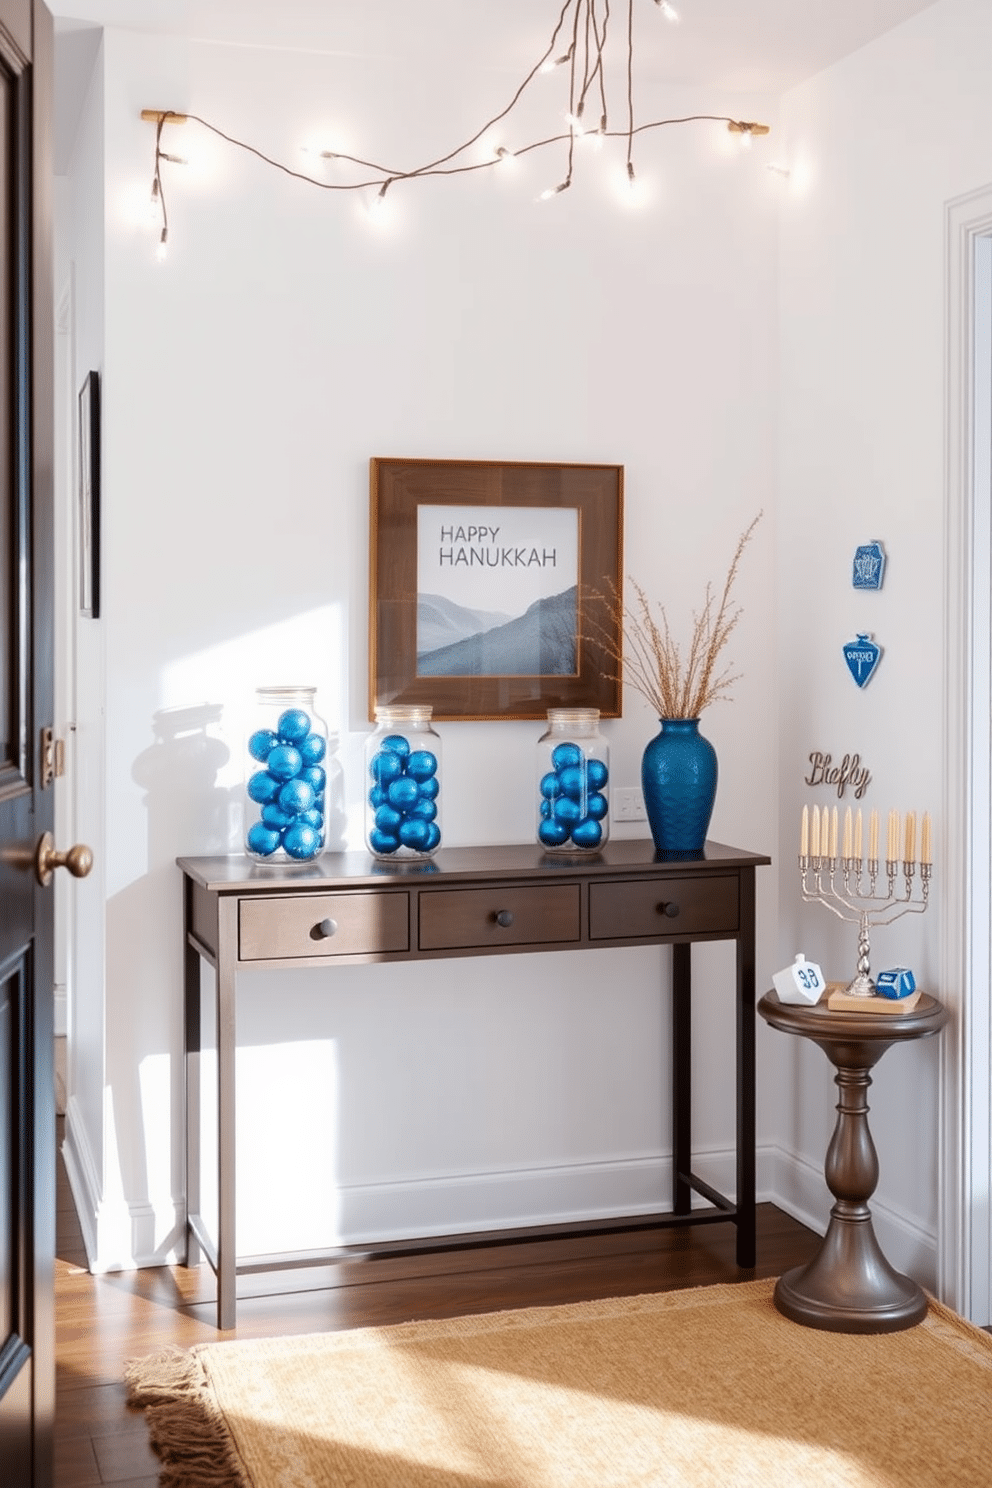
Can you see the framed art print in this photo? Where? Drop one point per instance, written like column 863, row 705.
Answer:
column 491, row 585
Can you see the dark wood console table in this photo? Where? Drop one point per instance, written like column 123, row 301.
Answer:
column 479, row 901
column 849, row 1286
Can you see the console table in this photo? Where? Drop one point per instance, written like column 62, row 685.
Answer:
column 346, row 908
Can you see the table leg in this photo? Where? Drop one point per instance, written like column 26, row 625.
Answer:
column 192, row 1046
column 681, row 1078
column 849, row 1286
column 746, row 1134
column 227, row 1260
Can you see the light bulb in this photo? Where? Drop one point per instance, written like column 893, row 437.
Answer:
column 552, row 63
column 554, row 190
column 668, row 11
column 162, row 251
column 504, row 156
column 575, row 124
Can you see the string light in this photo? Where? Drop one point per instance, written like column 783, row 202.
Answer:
column 588, row 22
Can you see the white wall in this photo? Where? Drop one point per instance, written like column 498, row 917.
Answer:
column 247, row 383
column 877, row 146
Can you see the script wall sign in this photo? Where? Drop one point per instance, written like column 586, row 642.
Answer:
column 849, row 772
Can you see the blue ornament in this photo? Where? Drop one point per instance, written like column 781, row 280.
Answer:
column 862, row 657
column 421, row 765
column 301, row 840
column 383, row 842
column 429, row 788
column 552, row 833
column 564, row 755
column 402, row 793
column 377, row 797
column 397, row 743
column 587, row 834
column 388, row 819
column 433, row 837
column 293, row 725
column 385, row 765
column 262, row 787
column 597, row 774
column 261, row 743
column 313, row 818
column 262, row 840
column 423, row 810
column 597, row 806
column 567, row 811
column 550, row 785
column 274, row 816
column 573, row 781
column 313, row 748
column 284, row 762
column 546, row 809
column 296, row 796
column 315, row 776
column 414, row 834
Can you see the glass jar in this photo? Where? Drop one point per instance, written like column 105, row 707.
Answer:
column 287, row 765
column 573, row 775
column 402, row 801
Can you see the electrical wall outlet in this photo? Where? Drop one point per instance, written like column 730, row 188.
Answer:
column 627, row 804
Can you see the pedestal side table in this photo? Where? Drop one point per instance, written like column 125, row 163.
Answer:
column 849, row 1286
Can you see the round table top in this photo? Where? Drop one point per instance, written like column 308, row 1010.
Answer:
column 818, row 1021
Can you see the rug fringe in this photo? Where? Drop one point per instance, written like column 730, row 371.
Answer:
column 185, row 1426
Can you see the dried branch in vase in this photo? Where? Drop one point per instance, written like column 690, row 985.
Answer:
column 678, row 682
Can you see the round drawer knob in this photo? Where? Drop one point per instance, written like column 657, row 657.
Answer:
column 669, row 908
column 327, row 928
column 504, row 917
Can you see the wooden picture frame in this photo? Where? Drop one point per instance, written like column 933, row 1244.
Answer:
column 89, row 497
column 490, row 535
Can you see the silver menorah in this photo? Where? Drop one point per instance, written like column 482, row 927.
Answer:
column 856, row 889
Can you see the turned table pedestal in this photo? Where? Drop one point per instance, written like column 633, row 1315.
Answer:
column 849, row 1286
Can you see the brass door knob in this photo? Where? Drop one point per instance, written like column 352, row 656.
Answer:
column 78, row 860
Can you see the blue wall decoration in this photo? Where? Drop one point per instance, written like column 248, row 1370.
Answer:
column 862, row 657
column 869, row 566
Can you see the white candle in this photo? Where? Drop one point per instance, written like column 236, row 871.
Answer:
column 857, row 836
column 804, row 834
column 847, row 833
column 833, row 833
column 925, row 839
column 873, row 837
column 815, row 833
column 909, row 852
column 892, row 841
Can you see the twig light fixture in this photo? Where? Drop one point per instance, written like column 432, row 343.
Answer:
column 577, row 48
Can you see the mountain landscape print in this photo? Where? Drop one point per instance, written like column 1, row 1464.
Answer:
column 539, row 643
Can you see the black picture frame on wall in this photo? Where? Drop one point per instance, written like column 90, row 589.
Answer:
column 89, row 497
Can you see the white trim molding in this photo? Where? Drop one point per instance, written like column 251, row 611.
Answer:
column 965, row 1222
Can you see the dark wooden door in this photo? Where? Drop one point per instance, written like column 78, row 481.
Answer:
column 27, row 1102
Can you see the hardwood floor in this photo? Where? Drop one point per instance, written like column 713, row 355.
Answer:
column 101, row 1321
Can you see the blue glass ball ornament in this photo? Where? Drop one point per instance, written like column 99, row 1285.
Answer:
column 388, row 819
column 433, row 837
column 293, row 725
column 422, row 764
column 414, row 834
column 429, row 788
column 564, row 755
column 550, row 785
column 315, row 776
column 385, row 766
column 422, row 809
column 274, row 816
column 567, row 811
column 284, row 762
column 313, row 818
column 313, row 748
column 597, row 774
column 262, row 787
column 261, row 743
column 587, row 833
column 301, row 840
column 552, row 833
column 296, row 796
column 573, row 781
column 397, row 743
column 262, row 840
column 402, row 793
column 597, row 806
column 383, row 842
column 377, row 796
column 546, row 809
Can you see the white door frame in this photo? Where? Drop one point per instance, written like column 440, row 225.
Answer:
column 965, row 1214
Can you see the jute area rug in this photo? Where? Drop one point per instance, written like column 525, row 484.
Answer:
column 704, row 1387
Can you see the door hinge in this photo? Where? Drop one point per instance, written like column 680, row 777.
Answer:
column 52, row 757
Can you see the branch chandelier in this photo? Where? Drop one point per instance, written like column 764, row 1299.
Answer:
column 577, row 46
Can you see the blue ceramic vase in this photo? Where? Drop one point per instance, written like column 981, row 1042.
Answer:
column 678, row 778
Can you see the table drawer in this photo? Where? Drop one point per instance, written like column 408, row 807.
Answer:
column 464, row 919
column 664, row 906
column 286, row 927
